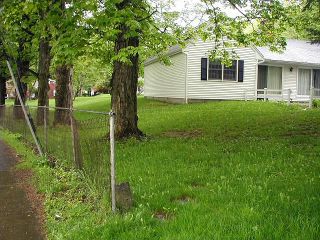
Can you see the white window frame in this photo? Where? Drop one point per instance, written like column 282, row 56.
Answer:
column 222, row 75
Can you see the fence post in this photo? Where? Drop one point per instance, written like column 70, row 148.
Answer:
column 27, row 117
column 76, row 148
column 311, row 98
column 265, row 94
column 289, row 97
column 77, row 157
column 112, row 162
column 45, row 125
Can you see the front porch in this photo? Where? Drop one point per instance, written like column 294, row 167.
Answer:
column 287, row 83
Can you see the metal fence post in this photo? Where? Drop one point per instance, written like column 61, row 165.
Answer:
column 311, row 98
column 265, row 94
column 26, row 116
column 112, row 162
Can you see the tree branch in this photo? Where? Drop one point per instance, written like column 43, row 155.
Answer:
column 33, row 73
column 147, row 17
column 27, row 31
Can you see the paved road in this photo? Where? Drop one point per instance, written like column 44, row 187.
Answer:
column 17, row 219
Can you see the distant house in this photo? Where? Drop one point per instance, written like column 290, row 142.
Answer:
column 10, row 89
column 11, row 93
column 256, row 74
column 52, row 89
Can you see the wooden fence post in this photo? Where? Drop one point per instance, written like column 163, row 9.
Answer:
column 265, row 94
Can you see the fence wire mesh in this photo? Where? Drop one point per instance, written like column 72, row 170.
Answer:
column 69, row 138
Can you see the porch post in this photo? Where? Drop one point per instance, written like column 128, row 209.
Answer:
column 311, row 98
column 289, row 96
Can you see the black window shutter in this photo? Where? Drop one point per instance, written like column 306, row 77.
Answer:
column 204, row 69
column 240, row 70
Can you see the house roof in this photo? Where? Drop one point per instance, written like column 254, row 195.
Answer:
column 296, row 52
column 171, row 51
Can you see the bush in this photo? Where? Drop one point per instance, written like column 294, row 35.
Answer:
column 316, row 103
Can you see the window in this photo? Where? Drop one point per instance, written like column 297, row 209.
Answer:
column 306, row 77
column 218, row 71
column 270, row 77
column 304, row 80
column 215, row 70
column 316, row 78
column 230, row 73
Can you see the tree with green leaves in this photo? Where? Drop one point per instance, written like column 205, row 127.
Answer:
column 305, row 21
column 136, row 25
column 310, row 18
column 90, row 72
column 17, row 40
column 129, row 31
column 135, row 30
column 70, row 36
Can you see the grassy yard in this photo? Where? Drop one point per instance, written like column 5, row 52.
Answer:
column 217, row 170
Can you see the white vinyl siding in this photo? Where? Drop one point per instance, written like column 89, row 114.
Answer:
column 198, row 89
column 289, row 81
column 166, row 81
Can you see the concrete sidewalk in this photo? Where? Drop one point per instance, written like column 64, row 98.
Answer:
column 18, row 220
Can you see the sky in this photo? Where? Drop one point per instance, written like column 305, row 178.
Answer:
column 180, row 5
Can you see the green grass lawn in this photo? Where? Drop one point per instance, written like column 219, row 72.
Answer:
column 216, row 170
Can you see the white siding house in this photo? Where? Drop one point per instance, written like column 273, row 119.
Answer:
column 167, row 81
column 256, row 73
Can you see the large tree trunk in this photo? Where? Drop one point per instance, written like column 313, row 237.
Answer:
column 124, row 92
column 63, row 94
column 2, row 97
column 124, row 86
column 44, row 66
column 3, row 91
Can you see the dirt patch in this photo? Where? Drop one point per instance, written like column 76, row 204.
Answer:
column 303, row 130
column 183, row 134
column 182, row 199
column 301, row 133
column 196, row 184
column 162, row 215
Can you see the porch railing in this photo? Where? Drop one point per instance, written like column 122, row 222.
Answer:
column 282, row 95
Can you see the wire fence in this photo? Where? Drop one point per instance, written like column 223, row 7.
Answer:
column 69, row 138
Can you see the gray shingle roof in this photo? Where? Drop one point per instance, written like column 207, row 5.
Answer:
column 297, row 51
